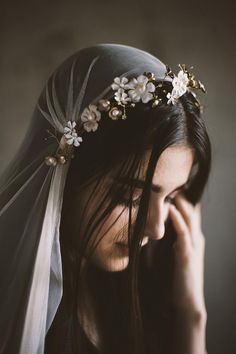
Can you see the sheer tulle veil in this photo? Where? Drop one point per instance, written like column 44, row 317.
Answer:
column 31, row 193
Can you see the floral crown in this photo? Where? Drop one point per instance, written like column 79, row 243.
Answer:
column 127, row 93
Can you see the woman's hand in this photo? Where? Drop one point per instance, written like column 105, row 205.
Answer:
column 189, row 251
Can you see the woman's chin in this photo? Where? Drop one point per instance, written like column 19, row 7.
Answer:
column 114, row 264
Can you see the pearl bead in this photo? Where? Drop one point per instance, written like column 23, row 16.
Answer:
column 115, row 113
column 104, row 105
column 61, row 159
column 50, row 161
column 155, row 103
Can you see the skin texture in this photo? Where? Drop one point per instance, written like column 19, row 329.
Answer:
column 172, row 171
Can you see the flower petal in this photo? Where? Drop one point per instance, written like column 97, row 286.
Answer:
column 87, row 126
column 150, row 87
column 95, row 126
column 133, row 83
column 77, row 141
column 117, row 80
column 70, row 141
column 66, row 130
column 124, row 80
column 114, row 87
column 142, row 79
column 146, row 97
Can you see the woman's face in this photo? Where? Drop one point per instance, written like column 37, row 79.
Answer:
column 171, row 173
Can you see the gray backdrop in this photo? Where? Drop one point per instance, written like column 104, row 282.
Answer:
column 36, row 36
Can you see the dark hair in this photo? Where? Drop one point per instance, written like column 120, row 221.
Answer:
column 140, row 296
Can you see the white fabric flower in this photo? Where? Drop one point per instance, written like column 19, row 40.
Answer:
column 71, row 134
column 90, row 116
column 121, row 96
column 171, row 98
column 141, row 89
column 180, row 83
column 120, row 83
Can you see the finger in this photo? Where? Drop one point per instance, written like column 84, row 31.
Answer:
column 198, row 210
column 180, row 226
column 185, row 208
column 192, row 217
column 191, row 214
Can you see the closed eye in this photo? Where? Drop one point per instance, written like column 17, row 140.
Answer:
column 126, row 202
column 136, row 202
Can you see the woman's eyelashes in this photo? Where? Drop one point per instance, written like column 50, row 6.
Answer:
column 136, row 202
column 133, row 202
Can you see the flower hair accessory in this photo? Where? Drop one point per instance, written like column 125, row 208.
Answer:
column 128, row 92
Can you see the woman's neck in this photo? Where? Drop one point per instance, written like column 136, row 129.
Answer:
column 100, row 304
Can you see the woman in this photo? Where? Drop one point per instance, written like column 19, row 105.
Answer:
column 106, row 248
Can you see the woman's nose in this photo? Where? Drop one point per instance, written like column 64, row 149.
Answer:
column 157, row 215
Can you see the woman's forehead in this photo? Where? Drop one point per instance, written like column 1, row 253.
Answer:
column 175, row 163
column 173, row 167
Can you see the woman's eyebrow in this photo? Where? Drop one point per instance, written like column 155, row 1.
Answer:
column 138, row 183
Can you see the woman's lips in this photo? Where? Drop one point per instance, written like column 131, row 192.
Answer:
column 144, row 242
column 125, row 247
